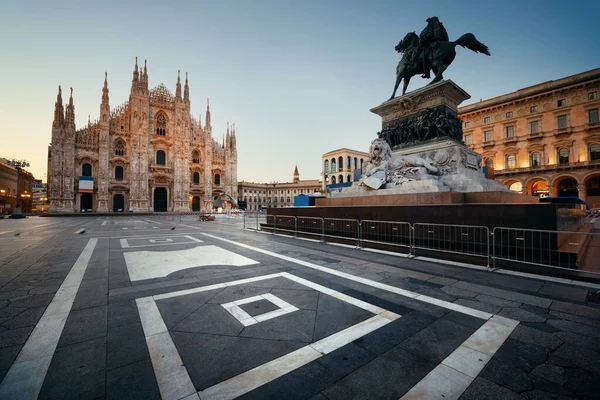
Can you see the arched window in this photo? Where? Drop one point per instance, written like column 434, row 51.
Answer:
column 355, row 162
column 348, row 179
column 563, row 155
column 489, row 162
column 217, row 179
column 516, row 187
column 333, row 168
column 535, row 159
column 119, row 148
column 196, row 178
column 361, row 164
column 196, row 157
column 333, row 180
column 86, row 170
column 161, row 158
column 326, row 166
column 511, row 161
column 161, row 124
column 341, row 179
column 119, row 173
column 348, row 162
column 340, row 163
column 595, row 152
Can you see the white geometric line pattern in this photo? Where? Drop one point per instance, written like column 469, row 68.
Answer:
column 451, row 377
column 246, row 319
column 176, row 383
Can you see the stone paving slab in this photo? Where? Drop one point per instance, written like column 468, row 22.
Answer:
column 341, row 323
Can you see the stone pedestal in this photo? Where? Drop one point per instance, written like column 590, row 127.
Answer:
column 426, row 153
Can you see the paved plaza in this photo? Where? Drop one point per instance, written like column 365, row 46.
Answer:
column 147, row 307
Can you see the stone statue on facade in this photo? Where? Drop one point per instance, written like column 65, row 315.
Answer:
column 430, row 51
column 383, row 167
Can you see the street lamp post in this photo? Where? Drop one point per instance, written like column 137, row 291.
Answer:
column 18, row 165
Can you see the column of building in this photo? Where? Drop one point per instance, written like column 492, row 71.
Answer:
column 139, row 101
column 104, row 171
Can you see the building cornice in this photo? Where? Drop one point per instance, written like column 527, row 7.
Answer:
column 527, row 94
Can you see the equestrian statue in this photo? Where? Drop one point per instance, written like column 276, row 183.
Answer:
column 430, row 51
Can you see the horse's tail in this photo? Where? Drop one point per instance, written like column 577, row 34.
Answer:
column 469, row 41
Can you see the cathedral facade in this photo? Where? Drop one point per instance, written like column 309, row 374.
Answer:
column 148, row 154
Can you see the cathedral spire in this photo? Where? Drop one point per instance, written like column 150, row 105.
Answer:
column 178, row 88
column 145, row 77
column 186, row 90
column 233, row 139
column 70, row 114
column 207, row 118
column 59, row 114
column 136, row 77
column 105, row 89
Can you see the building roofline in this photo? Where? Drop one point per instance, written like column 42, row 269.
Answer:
column 342, row 149
column 535, row 90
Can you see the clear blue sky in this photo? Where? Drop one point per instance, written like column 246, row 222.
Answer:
column 297, row 77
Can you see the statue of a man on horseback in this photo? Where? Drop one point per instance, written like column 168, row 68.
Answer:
column 430, row 51
column 433, row 33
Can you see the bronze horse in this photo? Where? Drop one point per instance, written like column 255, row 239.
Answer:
column 437, row 57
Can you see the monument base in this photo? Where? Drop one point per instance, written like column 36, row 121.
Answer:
column 458, row 170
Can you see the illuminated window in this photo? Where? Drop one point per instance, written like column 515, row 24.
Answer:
column 535, row 159
column 511, row 161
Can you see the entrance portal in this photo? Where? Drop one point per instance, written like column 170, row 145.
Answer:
column 118, row 203
column 160, row 199
column 196, row 203
column 86, row 202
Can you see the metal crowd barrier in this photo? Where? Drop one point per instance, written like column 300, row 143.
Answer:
column 469, row 240
column 550, row 249
column 386, row 232
column 542, row 248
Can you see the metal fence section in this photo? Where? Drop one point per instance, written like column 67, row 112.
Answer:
column 285, row 223
column 254, row 219
column 545, row 248
column 386, row 232
column 469, row 240
column 342, row 229
column 576, row 251
column 312, row 226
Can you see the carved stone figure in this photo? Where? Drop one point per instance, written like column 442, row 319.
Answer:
column 428, row 124
column 432, row 50
column 383, row 167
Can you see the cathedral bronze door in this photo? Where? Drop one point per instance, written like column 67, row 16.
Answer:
column 86, row 202
column 118, row 203
column 196, row 203
column 160, row 199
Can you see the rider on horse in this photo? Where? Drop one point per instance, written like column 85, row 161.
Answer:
column 433, row 33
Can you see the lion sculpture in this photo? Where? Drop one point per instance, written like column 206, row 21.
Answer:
column 384, row 167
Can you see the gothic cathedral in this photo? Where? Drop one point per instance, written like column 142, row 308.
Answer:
column 148, row 154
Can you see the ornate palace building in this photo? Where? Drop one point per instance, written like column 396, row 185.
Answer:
column 148, row 154
column 542, row 140
column 339, row 165
column 276, row 194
